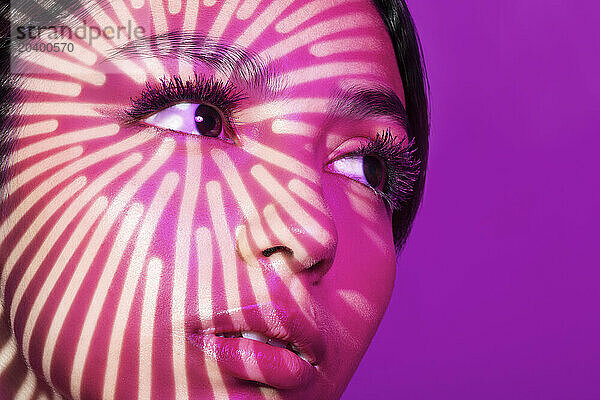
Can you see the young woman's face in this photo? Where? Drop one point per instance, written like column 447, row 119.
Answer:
column 146, row 229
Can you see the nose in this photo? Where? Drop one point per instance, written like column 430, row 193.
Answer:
column 290, row 237
column 277, row 242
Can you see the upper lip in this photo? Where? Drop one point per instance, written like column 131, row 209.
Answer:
column 274, row 321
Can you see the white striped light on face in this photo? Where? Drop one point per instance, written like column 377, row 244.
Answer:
column 121, row 241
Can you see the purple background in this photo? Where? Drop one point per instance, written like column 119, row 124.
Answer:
column 497, row 290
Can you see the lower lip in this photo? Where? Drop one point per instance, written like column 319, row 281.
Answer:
column 255, row 361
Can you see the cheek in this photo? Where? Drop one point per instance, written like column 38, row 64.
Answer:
column 360, row 283
column 365, row 237
column 70, row 227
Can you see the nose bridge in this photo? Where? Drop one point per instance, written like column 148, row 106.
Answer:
column 292, row 220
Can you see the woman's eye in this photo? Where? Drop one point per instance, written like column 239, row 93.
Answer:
column 366, row 169
column 191, row 118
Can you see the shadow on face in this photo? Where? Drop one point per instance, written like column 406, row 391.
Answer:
column 200, row 199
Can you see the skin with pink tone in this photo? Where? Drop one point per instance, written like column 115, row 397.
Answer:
column 126, row 247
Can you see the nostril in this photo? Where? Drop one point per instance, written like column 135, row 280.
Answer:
column 270, row 251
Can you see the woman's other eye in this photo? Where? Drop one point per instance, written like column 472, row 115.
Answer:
column 366, row 169
column 384, row 164
column 190, row 118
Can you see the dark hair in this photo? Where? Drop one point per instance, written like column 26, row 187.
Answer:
column 407, row 48
column 7, row 97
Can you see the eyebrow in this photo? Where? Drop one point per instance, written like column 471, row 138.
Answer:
column 368, row 102
column 195, row 47
column 357, row 101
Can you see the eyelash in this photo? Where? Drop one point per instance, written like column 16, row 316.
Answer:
column 401, row 165
column 197, row 89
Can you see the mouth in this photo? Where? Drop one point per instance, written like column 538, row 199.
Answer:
column 261, row 343
column 271, row 341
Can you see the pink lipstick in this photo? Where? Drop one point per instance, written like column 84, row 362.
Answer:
column 263, row 343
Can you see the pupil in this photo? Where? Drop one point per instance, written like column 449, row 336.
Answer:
column 208, row 121
column 374, row 170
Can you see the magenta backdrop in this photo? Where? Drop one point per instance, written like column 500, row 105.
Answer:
column 497, row 293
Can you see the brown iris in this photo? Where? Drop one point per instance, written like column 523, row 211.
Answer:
column 208, row 121
column 374, row 170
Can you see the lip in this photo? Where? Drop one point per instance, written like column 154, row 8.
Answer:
column 256, row 361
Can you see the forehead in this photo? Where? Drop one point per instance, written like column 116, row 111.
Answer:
column 339, row 41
